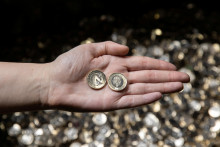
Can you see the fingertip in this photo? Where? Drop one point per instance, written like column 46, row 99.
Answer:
column 124, row 50
column 158, row 94
column 171, row 87
column 167, row 65
column 120, row 47
column 178, row 85
column 173, row 67
column 188, row 78
column 185, row 78
column 154, row 96
column 112, row 48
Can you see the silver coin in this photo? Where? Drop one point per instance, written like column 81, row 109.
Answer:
column 117, row 82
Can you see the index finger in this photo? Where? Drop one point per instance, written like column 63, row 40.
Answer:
column 134, row 63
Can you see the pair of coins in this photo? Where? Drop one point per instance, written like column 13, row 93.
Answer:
column 97, row 79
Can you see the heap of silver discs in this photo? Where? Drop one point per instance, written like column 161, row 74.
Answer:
column 189, row 118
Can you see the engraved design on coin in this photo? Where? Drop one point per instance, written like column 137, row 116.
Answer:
column 96, row 79
column 117, row 81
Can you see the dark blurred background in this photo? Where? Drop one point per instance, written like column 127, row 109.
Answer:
column 55, row 23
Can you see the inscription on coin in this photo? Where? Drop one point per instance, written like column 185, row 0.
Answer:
column 117, row 82
column 96, row 79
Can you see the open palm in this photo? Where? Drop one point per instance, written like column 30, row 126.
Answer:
column 147, row 78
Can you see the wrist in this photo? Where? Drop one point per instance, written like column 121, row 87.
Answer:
column 24, row 86
column 44, row 84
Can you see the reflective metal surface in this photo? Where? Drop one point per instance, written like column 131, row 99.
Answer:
column 96, row 79
column 190, row 118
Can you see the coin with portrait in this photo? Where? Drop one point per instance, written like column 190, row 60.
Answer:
column 117, row 82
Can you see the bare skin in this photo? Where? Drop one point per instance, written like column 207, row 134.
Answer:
column 62, row 84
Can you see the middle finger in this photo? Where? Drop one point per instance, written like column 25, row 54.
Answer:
column 157, row 76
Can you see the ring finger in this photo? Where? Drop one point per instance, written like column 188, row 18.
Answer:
column 143, row 88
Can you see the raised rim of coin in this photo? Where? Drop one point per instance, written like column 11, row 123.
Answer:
column 96, row 79
column 122, row 84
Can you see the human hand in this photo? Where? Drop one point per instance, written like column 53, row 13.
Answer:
column 148, row 79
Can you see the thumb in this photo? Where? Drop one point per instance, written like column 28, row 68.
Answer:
column 109, row 48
